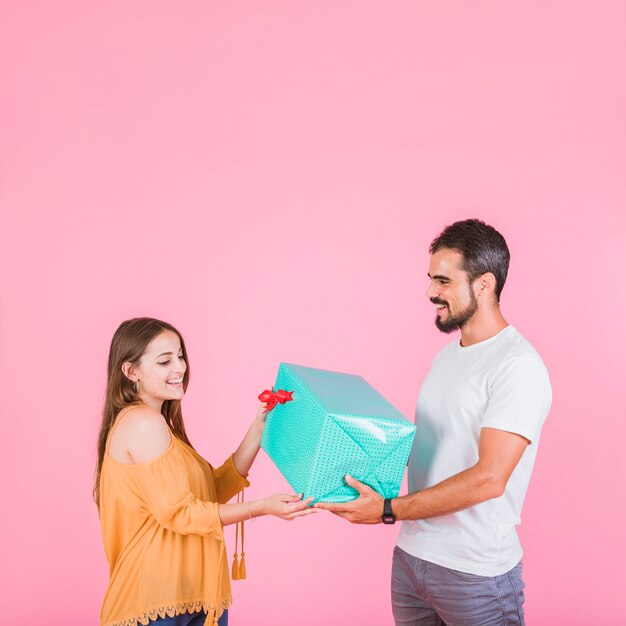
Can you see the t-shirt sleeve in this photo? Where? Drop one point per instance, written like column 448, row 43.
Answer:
column 520, row 397
column 228, row 481
column 166, row 491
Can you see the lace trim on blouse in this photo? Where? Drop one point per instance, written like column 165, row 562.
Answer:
column 176, row 609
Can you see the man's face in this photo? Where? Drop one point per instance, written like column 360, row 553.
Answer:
column 450, row 291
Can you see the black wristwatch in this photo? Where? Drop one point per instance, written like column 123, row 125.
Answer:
column 388, row 516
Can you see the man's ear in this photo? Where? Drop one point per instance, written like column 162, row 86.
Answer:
column 129, row 370
column 486, row 284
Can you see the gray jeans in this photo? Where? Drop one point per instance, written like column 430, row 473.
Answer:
column 426, row 594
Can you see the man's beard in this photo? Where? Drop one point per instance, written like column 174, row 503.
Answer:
column 455, row 322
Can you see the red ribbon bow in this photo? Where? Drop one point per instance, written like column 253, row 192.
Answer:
column 274, row 397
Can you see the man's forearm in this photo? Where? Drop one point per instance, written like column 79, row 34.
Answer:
column 465, row 489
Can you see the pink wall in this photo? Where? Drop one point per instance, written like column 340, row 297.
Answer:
column 267, row 176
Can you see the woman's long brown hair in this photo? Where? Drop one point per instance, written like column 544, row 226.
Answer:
column 129, row 344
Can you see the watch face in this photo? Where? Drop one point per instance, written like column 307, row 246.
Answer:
column 389, row 519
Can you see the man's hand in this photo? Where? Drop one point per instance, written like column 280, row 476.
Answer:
column 366, row 509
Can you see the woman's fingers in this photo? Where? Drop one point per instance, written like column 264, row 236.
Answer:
column 305, row 502
column 291, row 505
column 300, row 505
column 287, row 497
column 301, row 513
column 289, row 517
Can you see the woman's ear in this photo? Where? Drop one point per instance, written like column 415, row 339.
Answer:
column 129, row 370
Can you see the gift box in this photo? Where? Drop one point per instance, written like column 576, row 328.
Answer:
column 336, row 424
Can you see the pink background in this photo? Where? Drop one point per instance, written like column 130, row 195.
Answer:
column 267, row 176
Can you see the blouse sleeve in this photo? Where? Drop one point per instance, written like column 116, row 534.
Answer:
column 228, row 481
column 166, row 491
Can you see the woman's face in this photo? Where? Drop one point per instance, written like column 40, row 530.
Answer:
column 159, row 374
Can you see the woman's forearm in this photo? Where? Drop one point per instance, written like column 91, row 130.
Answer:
column 240, row 511
column 249, row 447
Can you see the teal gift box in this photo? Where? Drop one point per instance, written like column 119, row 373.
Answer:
column 336, row 424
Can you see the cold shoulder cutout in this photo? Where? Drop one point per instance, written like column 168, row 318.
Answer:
column 139, row 434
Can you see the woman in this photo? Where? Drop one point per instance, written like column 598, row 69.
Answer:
column 162, row 506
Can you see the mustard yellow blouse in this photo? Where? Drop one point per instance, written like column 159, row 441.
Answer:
column 163, row 536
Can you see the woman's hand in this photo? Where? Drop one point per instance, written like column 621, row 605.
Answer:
column 286, row 506
column 262, row 411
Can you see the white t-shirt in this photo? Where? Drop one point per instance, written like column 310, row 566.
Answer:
column 499, row 383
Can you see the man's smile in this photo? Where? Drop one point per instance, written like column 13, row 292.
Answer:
column 441, row 306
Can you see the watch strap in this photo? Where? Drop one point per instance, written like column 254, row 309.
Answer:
column 388, row 516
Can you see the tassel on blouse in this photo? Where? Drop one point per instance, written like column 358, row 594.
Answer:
column 239, row 567
column 242, row 563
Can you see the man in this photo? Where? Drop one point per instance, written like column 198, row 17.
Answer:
column 479, row 416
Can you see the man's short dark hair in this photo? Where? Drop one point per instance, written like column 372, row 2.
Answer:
column 482, row 247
